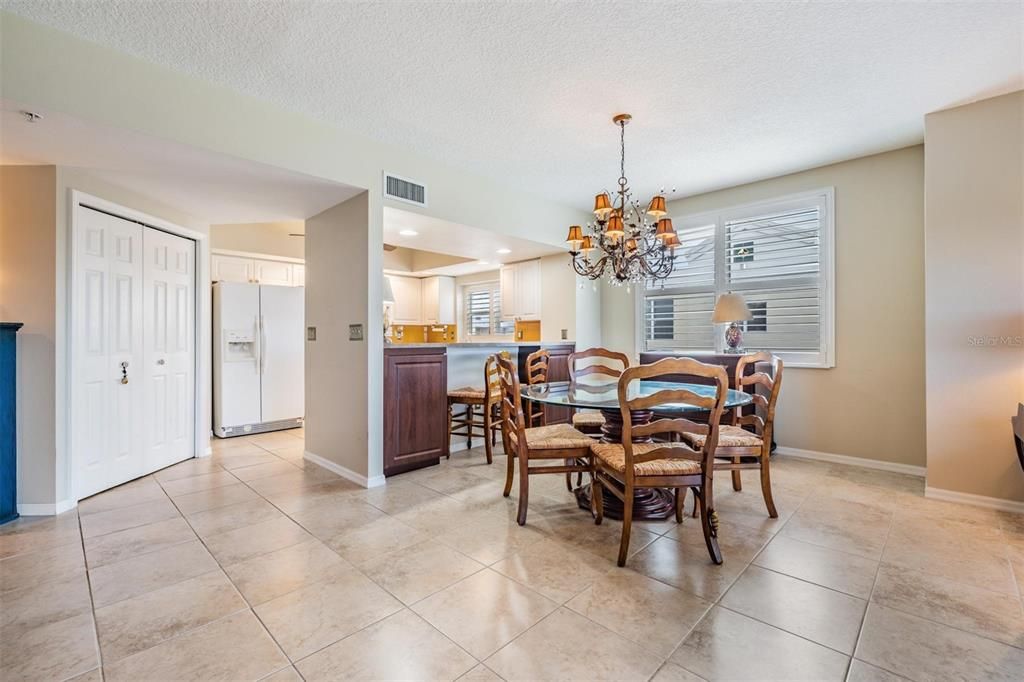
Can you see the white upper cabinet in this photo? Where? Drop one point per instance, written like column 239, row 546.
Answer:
column 231, row 269
column 520, row 290
column 438, row 297
column 274, row 272
column 408, row 300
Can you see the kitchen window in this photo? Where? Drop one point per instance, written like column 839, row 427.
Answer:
column 481, row 310
column 778, row 254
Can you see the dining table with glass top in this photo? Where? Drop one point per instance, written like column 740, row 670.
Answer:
column 649, row 503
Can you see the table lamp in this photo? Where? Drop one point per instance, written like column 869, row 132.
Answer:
column 731, row 308
column 388, row 295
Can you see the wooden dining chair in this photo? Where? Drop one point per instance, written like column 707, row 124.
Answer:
column 528, row 445
column 591, row 422
column 736, row 443
column 537, row 364
column 623, row 467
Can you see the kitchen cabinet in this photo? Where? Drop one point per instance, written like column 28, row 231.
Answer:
column 231, row 268
column 438, row 300
column 408, row 306
column 520, row 290
column 415, row 407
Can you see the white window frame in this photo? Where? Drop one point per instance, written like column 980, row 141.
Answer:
column 824, row 358
column 494, row 287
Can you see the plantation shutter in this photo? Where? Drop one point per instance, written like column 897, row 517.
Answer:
column 482, row 311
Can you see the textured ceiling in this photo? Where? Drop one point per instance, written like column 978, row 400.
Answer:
column 722, row 93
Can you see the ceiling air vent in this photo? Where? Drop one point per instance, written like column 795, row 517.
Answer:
column 404, row 189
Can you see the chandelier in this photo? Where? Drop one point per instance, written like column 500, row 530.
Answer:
column 624, row 244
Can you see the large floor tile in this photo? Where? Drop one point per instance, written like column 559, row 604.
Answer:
column 33, row 533
column 920, row 649
column 398, row 496
column 194, row 484
column 480, row 673
column 419, row 571
column 55, row 651
column 374, row 539
column 214, row 498
column 122, row 518
column 221, row 520
column 845, row 526
column 237, row 459
column 133, row 542
column 136, row 624
column 687, row 568
column 654, row 615
column 271, row 575
column 492, row 538
column 127, row 495
column 830, row 568
column 557, row 571
column 671, row 672
column 129, row 578
column 247, row 542
column 817, row 613
column 990, row 614
column 236, row 647
column 370, row 654
column 331, row 519
column 729, row 646
column 865, row 672
column 46, row 565
column 984, row 565
column 307, row 477
column 251, row 473
column 197, row 466
column 308, row 619
column 42, row 603
column 484, row 612
column 566, row 646
column 299, row 499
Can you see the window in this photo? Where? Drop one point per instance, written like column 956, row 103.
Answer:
column 778, row 254
column 481, row 307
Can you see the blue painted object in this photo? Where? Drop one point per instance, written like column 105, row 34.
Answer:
column 8, row 442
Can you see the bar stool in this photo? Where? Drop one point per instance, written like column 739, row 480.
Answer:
column 537, row 364
column 480, row 410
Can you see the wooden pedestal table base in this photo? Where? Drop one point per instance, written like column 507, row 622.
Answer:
column 648, row 503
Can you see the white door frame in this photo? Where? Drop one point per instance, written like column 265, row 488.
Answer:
column 201, row 383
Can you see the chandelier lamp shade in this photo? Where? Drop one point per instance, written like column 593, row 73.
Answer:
column 626, row 243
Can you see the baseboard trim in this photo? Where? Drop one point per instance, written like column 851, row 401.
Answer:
column 344, row 472
column 862, row 462
column 47, row 509
column 972, row 499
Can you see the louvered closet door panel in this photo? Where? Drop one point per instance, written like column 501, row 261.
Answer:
column 169, row 295
column 107, row 415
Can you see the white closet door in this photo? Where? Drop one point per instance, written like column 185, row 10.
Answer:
column 169, row 304
column 107, row 415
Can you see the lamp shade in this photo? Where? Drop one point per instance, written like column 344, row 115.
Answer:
column 614, row 228
column 657, row 206
column 389, row 294
column 664, row 228
column 731, row 308
column 671, row 240
column 586, row 244
column 602, row 205
column 575, row 236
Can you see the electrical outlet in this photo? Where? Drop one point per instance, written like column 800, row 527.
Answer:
column 355, row 332
column 310, row 333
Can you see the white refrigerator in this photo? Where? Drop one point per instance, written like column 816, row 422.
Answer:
column 258, row 358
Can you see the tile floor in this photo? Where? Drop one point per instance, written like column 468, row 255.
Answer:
column 252, row 564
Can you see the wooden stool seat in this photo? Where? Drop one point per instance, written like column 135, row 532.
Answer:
column 471, row 421
column 588, row 419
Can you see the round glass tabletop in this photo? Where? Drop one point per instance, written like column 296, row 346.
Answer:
column 606, row 396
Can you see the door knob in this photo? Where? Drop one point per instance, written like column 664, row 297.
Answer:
column 124, row 372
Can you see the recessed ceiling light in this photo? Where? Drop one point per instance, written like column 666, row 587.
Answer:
column 482, row 262
column 408, row 233
column 504, row 251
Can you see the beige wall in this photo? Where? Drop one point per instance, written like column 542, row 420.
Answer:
column 28, row 294
column 337, row 272
column 870, row 405
column 269, row 238
column 974, row 260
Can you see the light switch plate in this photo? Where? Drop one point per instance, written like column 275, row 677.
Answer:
column 355, row 332
column 310, row 333
column 565, row 335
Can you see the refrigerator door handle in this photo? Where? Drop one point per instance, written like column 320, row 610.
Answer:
column 263, row 345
